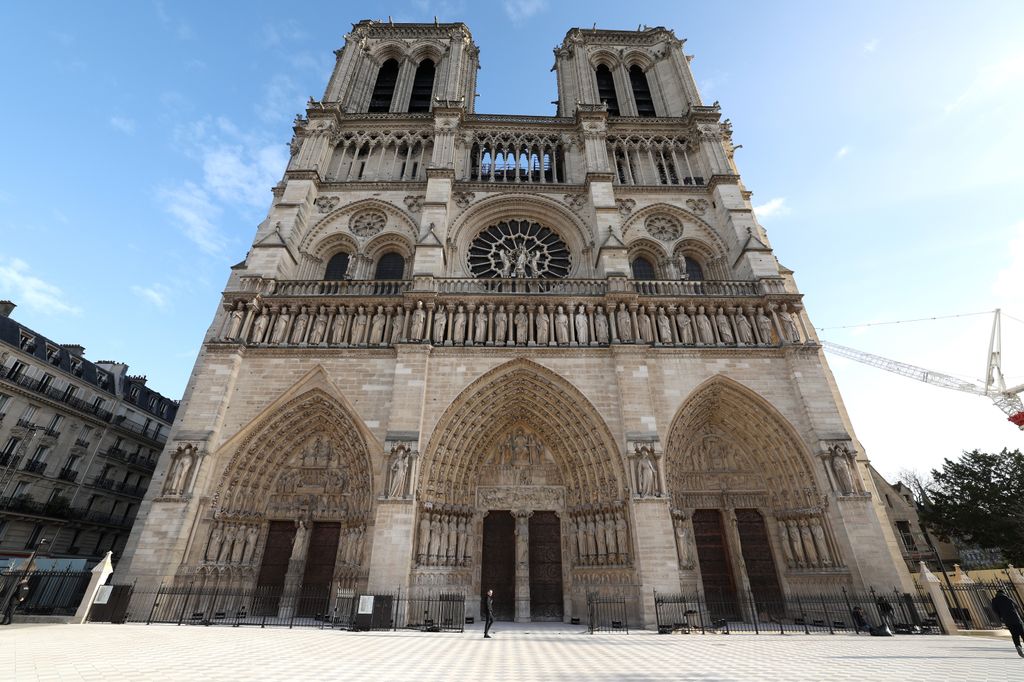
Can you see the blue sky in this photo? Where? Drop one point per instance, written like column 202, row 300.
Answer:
column 882, row 142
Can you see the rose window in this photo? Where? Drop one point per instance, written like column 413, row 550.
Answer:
column 663, row 227
column 518, row 249
column 367, row 223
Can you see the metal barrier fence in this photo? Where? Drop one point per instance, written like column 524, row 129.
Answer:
column 50, row 593
column 842, row 611
column 308, row 606
column 607, row 614
column 970, row 604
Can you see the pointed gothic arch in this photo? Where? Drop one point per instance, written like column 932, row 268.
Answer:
column 726, row 439
column 520, row 392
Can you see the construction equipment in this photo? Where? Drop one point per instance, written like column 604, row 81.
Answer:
column 1006, row 399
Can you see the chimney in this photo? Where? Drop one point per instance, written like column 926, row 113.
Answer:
column 7, row 307
column 74, row 349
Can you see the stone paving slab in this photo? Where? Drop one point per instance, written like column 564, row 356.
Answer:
column 167, row 652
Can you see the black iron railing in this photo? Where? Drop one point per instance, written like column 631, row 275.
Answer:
column 55, row 593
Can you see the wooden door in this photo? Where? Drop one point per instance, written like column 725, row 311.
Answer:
column 497, row 568
column 546, row 567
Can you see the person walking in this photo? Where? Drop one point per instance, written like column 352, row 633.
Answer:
column 1009, row 613
column 18, row 595
column 488, row 613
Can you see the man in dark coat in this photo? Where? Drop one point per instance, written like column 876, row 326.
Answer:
column 18, row 595
column 488, row 613
column 1009, row 613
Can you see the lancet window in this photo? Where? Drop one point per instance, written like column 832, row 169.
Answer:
column 422, row 87
column 641, row 91
column 390, row 266
column 517, row 158
column 384, row 88
column 643, row 269
column 337, row 266
column 641, row 160
column 380, row 156
column 606, row 89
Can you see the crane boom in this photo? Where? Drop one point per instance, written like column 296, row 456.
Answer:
column 1007, row 400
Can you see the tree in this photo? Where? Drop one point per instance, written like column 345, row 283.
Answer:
column 979, row 498
column 915, row 481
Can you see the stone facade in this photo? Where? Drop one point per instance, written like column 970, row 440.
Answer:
column 78, row 445
column 453, row 325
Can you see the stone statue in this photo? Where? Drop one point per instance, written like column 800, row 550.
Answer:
column 359, row 327
column 645, row 329
column 280, row 332
column 624, row 324
column 582, row 326
column 299, row 328
column 237, row 318
column 224, row 555
column 600, row 326
column 681, row 264
column 340, row 332
column 600, row 539
column 646, row 473
column 608, row 522
column 181, row 471
column 259, row 327
column 743, row 328
column 418, row 322
column 664, row 327
column 543, row 326
column 397, row 325
column 399, row 469
column 787, row 549
column 724, row 328
column 684, row 543
column 798, row 547
column 506, row 264
column 301, row 544
column 480, row 326
column 622, row 537
column 500, row 325
column 764, row 326
column 841, row 468
column 704, row 331
column 239, row 548
column 424, row 547
column 561, row 327
column 683, row 324
column 216, row 538
column 459, row 325
column 819, row 540
column 377, row 326
column 788, row 325
column 319, row 330
column 440, row 323
column 809, row 550
column 522, row 322
column 521, row 257
column 535, row 264
column 252, row 536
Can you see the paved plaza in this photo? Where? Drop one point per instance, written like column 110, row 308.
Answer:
column 167, row 652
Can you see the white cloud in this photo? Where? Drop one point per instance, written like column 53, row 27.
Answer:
column 994, row 80
column 521, row 10
column 156, row 294
column 843, row 151
column 191, row 207
column 871, row 45
column 180, row 29
column 122, row 124
column 277, row 33
column 281, row 100
column 19, row 284
column 1006, row 285
column 772, row 208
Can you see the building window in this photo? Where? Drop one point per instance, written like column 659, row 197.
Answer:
column 3, row 530
column 70, row 392
column 606, row 89
column 422, row 87
column 390, row 266
column 33, row 538
column 28, row 414
column 641, row 91
column 73, row 545
column 99, row 543
column 907, row 536
column 384, row 88
column 55, row 423
column 3, row 403
column 72, row 463
column 52, row 354
column 40, row 454
column 28, row 342
column 98, row 403
column 12, row 445
column 643, row 269
column 76, row 367
column 45, row 381
column 693, row 270
column 133, row 393
column 337, row 267
column 16, row 370
column 21, row 490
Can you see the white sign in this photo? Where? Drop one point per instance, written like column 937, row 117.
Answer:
column 365, row 605
column 103, row 595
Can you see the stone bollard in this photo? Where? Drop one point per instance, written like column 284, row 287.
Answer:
column 99, row 577
column 934, row 587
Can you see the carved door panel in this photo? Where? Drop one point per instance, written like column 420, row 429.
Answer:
column 545, row 567
column 497, row 570
column 715, row 563
column 758, row 559
column 323, row 550
column 276, row 554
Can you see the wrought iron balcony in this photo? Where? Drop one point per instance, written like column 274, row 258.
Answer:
column 68, row 475
column 27, row 424
column 104, row 483
column 52, row 433
column 34, row 466
column 81, row 443
column 59, row 509
column 8, row 459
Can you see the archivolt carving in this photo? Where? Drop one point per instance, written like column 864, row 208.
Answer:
column 307, row 457
column 694, row 227
column 725, row 440
column 522, row 392
column 337, row 220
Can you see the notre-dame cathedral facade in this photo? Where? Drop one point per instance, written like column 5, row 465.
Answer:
column 549, row 355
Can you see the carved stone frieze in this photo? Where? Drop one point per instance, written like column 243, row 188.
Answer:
column 538, row 498
column 326, row 204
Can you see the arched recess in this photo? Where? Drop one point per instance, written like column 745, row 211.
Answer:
column 694, row 227
column 650, row 251
column 522, row 392
column 726, row 439
column 316, row 241
column 539, row 209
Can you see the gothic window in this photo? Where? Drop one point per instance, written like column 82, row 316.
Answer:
column 422, row 87
column 390, row 266
column 337, row 266
column 641, row 91
column 384, row 88
column 606, row 89
column 693, row 270
column 663, row 227
column 519, row 248
column 643, row 269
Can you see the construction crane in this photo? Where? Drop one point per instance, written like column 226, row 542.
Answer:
column 1006, row 399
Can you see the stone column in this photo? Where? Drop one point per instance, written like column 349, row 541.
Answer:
column 522, row 612
column 98, row 578
column 931, row 583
